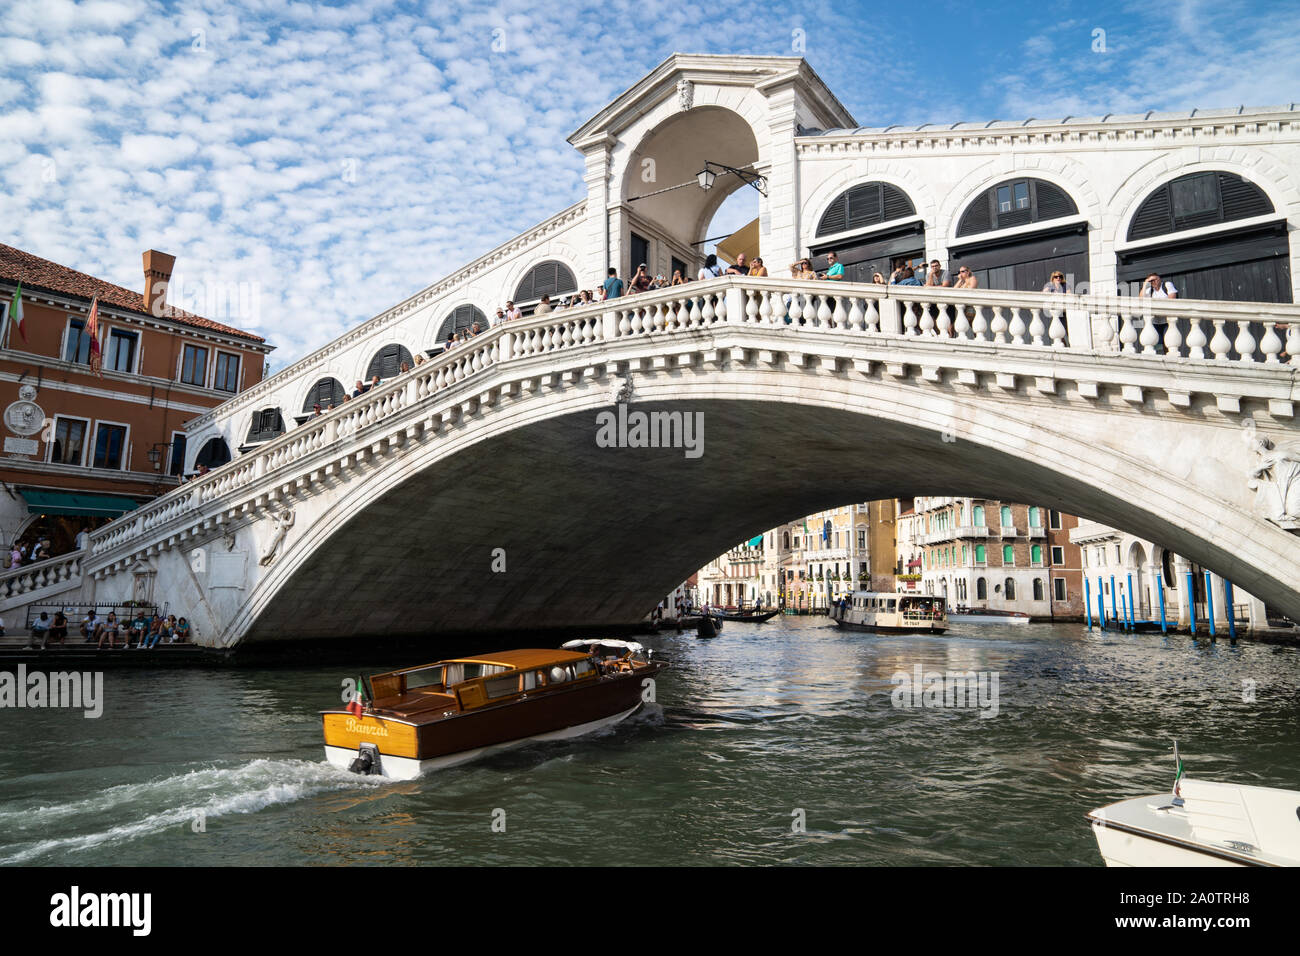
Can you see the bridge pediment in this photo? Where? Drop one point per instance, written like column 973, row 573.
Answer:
column 681, row 74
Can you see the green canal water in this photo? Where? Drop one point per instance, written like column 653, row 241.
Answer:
column 753, row 733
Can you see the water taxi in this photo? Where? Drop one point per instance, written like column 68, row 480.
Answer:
column 886, row 612
column 408, row 722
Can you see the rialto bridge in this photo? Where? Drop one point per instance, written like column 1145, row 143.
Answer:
column 478, row 491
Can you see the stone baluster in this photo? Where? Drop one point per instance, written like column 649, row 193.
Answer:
column 1056, row 330
column 1173, row 338
column 708, row 314
column 944, row 322
column 1293, row 343
column 1149, row 338
column 839, row 318
column 962, row 328
column 1220, row 345
column 751, row 307
column 927, row 320
column 1017, row 328
column 1196, row 340
column 909, row 319
column 999, row 325
column 1245, row 342
column 856, row 317
column 980, row 325
column 1037, row 330
column 809, row 310
column 779, row 312
column 1271, row 344
column 872, row 321
column 1127, row 333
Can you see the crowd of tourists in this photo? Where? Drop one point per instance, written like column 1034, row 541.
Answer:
column 140, row 629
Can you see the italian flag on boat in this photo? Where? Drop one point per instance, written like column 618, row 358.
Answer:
column 358, row 697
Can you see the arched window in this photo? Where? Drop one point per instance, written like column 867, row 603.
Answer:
column 1038, row 589
column 1232, row 255
column 1006, row 517
column 1036, row 554
column 1009, row 589
column 545, row 278
column 981, row 590
column 1015, row 202
column 461, row 318
column 326, row 392
column 1034, row 520
column 388, row 362
column 977, row 515
column 1196, row 200
column 785, row 540
column 214, row 453
column 865, row 205
column 266, row 424
column 979, row 554
column 1008, row 555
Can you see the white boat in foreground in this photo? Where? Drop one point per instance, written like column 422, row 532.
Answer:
column 1202, row 824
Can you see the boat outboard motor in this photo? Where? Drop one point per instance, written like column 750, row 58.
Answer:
column 367, row 761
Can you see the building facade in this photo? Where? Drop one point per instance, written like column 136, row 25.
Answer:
column 1128, row 577
column 980, row 552
column 83, row 447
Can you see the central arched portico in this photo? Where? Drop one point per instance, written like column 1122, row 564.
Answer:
column 734, row 111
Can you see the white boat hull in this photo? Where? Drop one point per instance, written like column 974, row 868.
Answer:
column 1213, row 824
column 408, row 768
column 986, row 619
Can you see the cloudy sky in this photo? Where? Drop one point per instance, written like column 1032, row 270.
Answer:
column 339, row 157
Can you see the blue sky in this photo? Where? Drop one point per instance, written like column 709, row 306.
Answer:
column 338, row 157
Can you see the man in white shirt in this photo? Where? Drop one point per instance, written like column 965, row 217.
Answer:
column 513, row 312
column 1153, row 288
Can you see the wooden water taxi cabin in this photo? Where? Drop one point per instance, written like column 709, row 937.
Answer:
column 441, row 714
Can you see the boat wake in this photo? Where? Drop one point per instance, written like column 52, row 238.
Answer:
column 35, row 833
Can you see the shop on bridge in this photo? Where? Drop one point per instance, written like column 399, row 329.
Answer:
column 993, row 239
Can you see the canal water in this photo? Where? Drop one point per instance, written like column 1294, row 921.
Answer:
column 779, row 743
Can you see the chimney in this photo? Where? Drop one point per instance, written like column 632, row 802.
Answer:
column 157, row 273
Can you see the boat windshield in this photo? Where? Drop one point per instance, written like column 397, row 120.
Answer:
column 424, row 677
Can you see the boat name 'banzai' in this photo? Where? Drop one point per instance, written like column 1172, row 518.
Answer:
column 375, row 730
column 950, row 690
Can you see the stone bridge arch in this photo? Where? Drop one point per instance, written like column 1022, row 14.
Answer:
column 407, row 548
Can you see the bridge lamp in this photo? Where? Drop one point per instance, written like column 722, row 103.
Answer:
column 709, row 173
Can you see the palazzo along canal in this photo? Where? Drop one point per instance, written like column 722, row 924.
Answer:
column 225, row 767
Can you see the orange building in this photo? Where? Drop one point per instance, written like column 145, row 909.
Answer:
column 81, row 448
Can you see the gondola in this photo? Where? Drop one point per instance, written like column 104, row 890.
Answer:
column 748, row 617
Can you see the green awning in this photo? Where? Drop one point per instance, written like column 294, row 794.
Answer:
column 86, row 504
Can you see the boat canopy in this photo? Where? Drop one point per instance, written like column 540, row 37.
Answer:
column 632, row 646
